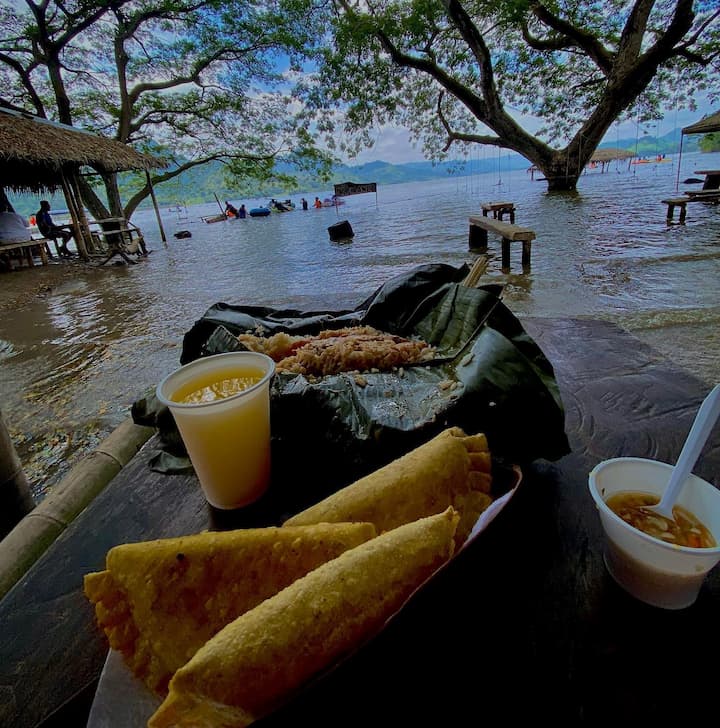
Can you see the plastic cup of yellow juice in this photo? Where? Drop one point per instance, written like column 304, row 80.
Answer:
column 221, row 405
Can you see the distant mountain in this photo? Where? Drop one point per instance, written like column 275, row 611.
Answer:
column 646, row 145
column 202, row 184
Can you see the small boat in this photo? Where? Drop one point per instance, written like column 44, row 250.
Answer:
column 213, row 218
column 332, row 202
column 281, row 205
column 259, row 212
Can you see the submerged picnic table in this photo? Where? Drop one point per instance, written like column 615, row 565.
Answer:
column 712, row 178
column 524, row 625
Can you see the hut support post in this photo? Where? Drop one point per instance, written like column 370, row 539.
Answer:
column 157, row 209
column 16, row 499
column 82, row 217
column 74, row 214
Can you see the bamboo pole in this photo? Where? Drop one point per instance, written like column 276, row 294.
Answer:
column 85, row 225
column 219, row 205
column 77, row 229
column 157, row 209
column 36, row 532
column 16, row 500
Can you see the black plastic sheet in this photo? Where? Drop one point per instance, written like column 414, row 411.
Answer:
column 488, row 376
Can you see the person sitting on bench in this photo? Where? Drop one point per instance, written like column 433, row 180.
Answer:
column 14, row 228
column 50, row 230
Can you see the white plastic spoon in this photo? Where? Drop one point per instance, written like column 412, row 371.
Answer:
column 701, row 428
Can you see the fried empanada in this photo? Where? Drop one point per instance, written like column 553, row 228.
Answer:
column 452, row 469
column 251, row 665
column 160, row 601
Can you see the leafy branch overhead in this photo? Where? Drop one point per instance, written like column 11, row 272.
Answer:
column 192, row 81
column 464, row 71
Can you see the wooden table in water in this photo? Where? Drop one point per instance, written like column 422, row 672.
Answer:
column 712, row 178
column 524, row 626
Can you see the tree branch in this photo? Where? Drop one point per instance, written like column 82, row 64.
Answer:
column 454, row 136
column 24, row 75
column 602, row 57
column 668, row 44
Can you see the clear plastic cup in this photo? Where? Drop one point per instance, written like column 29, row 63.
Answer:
column 654, row 571
column 228, row 439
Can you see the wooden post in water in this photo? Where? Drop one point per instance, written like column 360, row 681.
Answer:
column 478, row 238
column 16, row 499
column 157, row 209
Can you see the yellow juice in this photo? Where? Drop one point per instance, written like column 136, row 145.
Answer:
column 228, row 440
column 209, row 386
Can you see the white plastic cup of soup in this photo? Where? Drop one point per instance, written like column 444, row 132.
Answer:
column 652, row 570
column 221, row 405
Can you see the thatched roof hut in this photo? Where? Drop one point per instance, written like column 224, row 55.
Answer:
column 600, row 156
column 34, row 152
column 610, row 154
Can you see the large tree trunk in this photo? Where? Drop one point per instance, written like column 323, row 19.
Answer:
column 113, row 195
column 561, row 173
column 561, row 168
column 97, row 208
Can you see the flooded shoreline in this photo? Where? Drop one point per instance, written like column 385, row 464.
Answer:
column 78, row 345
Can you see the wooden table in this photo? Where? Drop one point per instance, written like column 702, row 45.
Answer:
column 712, row 178
column 26, row 250
column 498, row 209
column 120, row 238
column 524, row 626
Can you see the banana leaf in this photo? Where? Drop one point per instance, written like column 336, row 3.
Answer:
column 488, row 376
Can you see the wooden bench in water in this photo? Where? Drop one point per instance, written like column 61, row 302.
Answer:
column 481, row 225
column 681, row 202
column 26, row 250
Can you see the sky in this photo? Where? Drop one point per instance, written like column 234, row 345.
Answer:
column 393, row 144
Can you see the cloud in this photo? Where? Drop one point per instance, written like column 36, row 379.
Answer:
column 392, row 143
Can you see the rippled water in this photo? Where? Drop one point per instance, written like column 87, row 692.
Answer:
column 73, row 361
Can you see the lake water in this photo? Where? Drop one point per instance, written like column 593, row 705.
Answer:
column 73, row 361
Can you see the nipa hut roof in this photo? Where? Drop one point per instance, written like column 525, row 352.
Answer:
column 609, row 154
column 704, row 126
column 33, row 152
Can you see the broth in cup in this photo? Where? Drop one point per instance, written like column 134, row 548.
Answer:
column 685, row 529
column 653, row 569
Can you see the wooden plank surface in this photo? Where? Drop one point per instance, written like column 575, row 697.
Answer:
column 523, row 626
column 491, row 206
column 703, row 195
column 505, row 229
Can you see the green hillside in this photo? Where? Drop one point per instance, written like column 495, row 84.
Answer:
column 202, row 184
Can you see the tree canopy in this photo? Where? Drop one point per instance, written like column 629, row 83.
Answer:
column 458, row 72
column 189, row 80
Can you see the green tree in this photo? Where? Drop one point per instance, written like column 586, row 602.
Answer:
column 710, row 142
column 452, row 71
column 188, row 80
